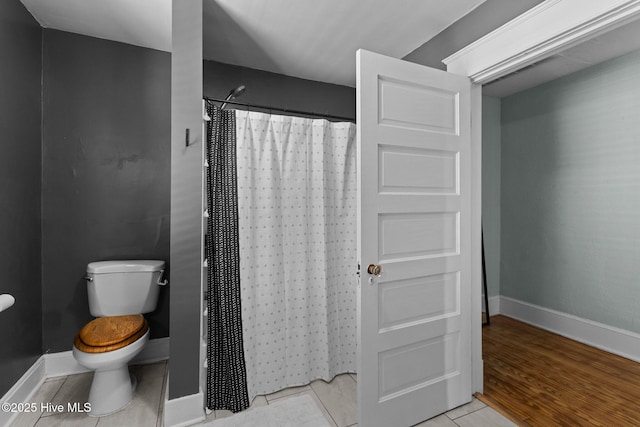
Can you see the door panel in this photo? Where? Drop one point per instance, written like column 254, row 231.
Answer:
column 414, row 214
column 417, row 171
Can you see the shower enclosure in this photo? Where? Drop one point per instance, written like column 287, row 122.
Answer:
column 291, row 303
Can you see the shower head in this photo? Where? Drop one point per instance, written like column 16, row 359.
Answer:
column 236, row 92
column 233, row 95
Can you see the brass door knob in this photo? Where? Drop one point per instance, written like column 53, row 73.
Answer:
column 376, row 270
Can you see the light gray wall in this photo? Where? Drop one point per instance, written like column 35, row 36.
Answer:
column 571, row 194
column 491, row 139
column 20, row 177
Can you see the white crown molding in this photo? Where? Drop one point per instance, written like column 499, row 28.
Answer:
column 546, row 29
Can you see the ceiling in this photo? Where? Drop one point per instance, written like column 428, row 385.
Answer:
column 315, row 40
column 145, row 23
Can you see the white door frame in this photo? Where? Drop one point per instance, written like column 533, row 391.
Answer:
column 545, row 30
column 477, row 366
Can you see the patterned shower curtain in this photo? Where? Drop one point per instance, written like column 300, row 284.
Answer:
column 226, row 373
column 297, row 219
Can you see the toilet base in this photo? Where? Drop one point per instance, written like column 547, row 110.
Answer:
column 111, row 390
column 112, row 386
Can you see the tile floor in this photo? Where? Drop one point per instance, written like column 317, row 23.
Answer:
column 145, row 410
column 337, row 400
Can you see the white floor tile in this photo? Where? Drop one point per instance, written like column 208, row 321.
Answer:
column 160, row 422
column 439, row 421
column 337, row 401
column 221, row 413
column 316, row 399
column 74, row 390
column 144, row 408
column 258, row 401
column 44, row 395
column 463, row 410
column 485, row 417
column 68, row 420
column 340, row 398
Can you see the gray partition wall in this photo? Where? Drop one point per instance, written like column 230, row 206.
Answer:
column 186, row 198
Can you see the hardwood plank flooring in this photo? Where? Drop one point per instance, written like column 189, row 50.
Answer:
column 543, row 379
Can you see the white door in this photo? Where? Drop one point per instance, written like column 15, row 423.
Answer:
column 414, row 171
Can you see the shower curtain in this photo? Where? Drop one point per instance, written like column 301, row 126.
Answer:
column 226, row 373
column 297, row 237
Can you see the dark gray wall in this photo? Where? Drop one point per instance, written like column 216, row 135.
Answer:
column 20, row 175
column 277, row 90
column 481, row 21
column 106, row 171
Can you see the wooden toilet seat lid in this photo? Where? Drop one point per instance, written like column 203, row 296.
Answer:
column 110, row 333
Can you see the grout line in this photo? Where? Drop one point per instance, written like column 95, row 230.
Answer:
column 65, row 378
column 464, row 415
column 60, row 388
column 61, row 381
column 42, row 414
column 162, row 392
column 316, row 400
column 323, row 404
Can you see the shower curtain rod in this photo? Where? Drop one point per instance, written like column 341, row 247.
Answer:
column 284, row 110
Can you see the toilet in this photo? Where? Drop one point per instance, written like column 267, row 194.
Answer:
column 120, row 292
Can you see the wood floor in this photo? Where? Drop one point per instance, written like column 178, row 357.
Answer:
column 543, row 379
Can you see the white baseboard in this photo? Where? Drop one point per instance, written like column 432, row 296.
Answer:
column 63, row 363
column 183, row 411
column 608, row 338
column 494, row 305
column 23, row 389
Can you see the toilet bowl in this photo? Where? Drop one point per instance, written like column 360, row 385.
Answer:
column 108, row 343
column 112, row 387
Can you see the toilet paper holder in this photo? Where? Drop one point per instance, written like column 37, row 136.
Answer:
column 6, row 301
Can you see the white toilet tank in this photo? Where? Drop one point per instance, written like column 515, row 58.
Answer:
column 117, row 288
